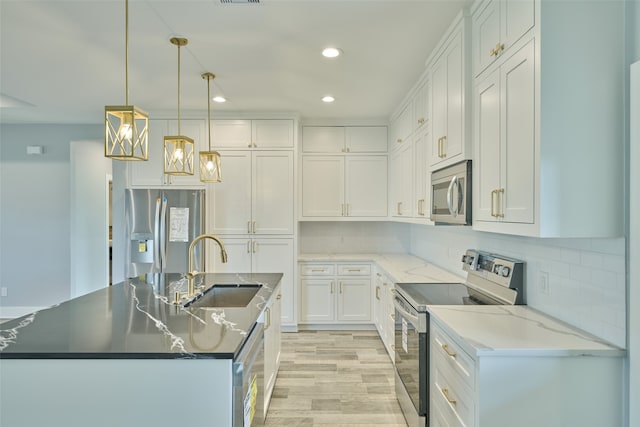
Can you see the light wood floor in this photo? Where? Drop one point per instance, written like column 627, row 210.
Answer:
column 334, row 378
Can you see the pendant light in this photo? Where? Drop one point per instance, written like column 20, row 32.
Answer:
column 126, row 135
column 209, row 160
column 178, row 149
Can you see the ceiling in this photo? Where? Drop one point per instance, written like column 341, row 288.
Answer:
column 63, row 61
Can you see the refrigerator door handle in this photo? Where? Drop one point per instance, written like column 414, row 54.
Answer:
column 163, row 233
column 156, row 237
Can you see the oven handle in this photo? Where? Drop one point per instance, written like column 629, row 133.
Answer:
column 415, row 320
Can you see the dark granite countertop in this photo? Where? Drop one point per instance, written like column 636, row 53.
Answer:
column 135, row 319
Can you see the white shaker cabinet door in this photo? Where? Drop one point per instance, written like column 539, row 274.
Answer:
column 486, row 35
column 231, row 134
column 229, row 202
column 272, row 184
column 272, row 133
column 366, row 139
column 317, row 300
column 276, row 256
column 322, row 186
column 366, row 186
column 487, row 163
column 354, row 300
column 517, row 80
column 238, row 256
column 323, row 139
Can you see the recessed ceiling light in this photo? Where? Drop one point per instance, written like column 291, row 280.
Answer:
column 328, row 98
column 331, row 52
column 219, row 99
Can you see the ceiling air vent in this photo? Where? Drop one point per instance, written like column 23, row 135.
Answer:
column 239, row 1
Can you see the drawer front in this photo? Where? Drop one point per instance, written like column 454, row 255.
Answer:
column 454, row 399
column 354, row 270
column 452, row 355
column 317, row 269
column 439, row 416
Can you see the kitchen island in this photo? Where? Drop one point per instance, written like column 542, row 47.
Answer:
column 126, row 355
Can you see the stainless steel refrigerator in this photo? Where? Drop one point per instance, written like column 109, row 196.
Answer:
column 160, row 225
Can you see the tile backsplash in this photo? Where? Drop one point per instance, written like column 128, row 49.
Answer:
column 586, row 277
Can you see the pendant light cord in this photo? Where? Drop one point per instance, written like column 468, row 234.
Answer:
column 126, row 51
column 179, row 90
column 209, row 108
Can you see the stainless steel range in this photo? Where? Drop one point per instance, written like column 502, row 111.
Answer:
column 491, row 279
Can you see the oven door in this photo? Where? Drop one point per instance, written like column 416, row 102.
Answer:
column 411, row 355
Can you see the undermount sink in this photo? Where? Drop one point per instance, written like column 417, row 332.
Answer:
column 225, row 296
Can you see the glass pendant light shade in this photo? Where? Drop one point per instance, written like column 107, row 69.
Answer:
column 178, row 155
column 126, row 128
column 209, row 160
column 126, row 133
column 210, row 166
column 178, row 149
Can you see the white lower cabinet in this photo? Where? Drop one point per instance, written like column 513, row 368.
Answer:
column 335, row 293
column 519, row 389
column 383, row 310
column 272, row 346
column 259, row 255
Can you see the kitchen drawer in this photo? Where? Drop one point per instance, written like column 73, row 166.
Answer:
column 453, row 397
column 317, row 270
column 441, row 415
column 354, row 270
column 451, row 354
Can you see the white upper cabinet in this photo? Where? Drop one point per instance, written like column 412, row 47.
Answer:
column 496, row 26
column 255, row 195
column 323, row 139
column 421, row 105
column 366, row 139
column 505, row 144
column 340, row 139
column 548, row 145
column 244, row 134
column 401, row 201
column 151, row 173
column 366, row 186
column 421, row 174
column 322, row 186
column 449, row 104
column 401, row 127
column 344, row 186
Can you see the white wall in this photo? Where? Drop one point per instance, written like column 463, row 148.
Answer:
column 34, row 214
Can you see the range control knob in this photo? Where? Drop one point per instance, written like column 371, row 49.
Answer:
column 504, row 271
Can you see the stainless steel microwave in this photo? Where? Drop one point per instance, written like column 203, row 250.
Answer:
column 451, row 194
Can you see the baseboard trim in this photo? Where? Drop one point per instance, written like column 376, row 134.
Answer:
column 13, row 312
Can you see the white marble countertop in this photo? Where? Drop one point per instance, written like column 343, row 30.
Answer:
column 401, row 268
column 501, row 330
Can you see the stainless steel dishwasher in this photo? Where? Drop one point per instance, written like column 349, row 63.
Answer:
column 248, row 381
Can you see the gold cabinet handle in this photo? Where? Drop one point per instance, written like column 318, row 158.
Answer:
column 248, row 227
column 399, row 140
column 254, row 227
column 439, row 147
column 445, row 392
column 493, row 193
column 500, row 212
column 393, row 317
column 248, row 246
column 321, row 270
column 393, row 347
column 343, row 209
column 444, row 146
column 340, row 286
column 279, row 296
column 255, row 246
column 421, row 120
column 332, row 286
column 493, row 52
column 445, row 347
column 268, row 320
column 378, row 293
